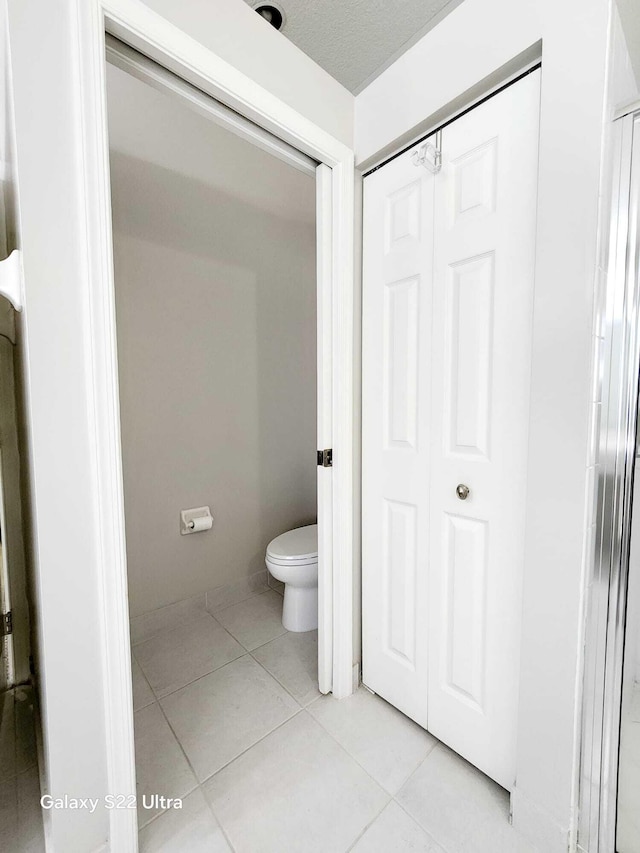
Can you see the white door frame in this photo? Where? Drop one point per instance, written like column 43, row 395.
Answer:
column 143, row 29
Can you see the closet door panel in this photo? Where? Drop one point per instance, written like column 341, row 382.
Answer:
column 398, row 250
column 485, row 205
column 447, row 319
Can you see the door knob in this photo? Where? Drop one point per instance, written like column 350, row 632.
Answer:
column 462, row 491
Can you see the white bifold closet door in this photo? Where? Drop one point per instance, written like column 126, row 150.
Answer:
column 447, row 324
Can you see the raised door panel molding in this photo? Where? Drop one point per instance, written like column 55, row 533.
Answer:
column 401, row 362
column 400, row 552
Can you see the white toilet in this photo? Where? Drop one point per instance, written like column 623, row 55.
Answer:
column 293, row 559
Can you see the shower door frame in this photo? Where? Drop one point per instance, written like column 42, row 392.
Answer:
column 617, row 371
column 144, row 30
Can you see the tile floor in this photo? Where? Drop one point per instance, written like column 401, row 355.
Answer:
column 228, row 716
column 21, row 828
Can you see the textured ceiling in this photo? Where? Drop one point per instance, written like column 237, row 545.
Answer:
column 354, row 40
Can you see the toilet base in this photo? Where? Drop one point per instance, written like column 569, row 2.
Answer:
column 300, row 608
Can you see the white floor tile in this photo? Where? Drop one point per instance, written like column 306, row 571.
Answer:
column 387, row 744
column 219, row 716
column 295, row 791
column 161, row 768
column 395, row 832
column 142, row 693
column 496, row 836
column 293, row 660
column 255, row 621
column 177, row 657
column 192, row 829
column 165, row 618
column 453, row 801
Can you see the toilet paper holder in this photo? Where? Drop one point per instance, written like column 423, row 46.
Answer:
column 195, row 520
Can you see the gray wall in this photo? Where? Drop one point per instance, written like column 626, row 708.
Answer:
column 216, row 327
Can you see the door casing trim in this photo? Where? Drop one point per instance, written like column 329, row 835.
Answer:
column 141, row 28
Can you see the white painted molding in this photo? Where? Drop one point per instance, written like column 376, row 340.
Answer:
column 104, row 411
column 324, row 278
column 11, row 279
column 632, row 106
column 145, row 69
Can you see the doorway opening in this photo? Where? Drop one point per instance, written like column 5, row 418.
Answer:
column 224, row 394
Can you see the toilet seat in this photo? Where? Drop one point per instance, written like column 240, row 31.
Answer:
column 297, row 547
column 273, row 562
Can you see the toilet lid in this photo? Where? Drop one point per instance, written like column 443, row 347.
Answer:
column 296, row 545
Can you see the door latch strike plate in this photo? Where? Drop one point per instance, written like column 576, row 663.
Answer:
column 6, row 625
column 325, row 458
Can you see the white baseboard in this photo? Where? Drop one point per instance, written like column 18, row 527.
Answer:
column 232, row 593
column 147, row 625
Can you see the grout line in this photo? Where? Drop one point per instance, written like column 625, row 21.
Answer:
column 164, row 811
column 427, row 832
column 246, row 651
column 204, row 781
column 253, row 594
column 182, row 796
column 272, row 640
column 251, row 651
column 249, row 748
column 345, row 750
column 352, row 757
column 165, row 629
column 158, row 698
column 238, row 640
column 207, row 804
column 200, row 785
column 146, row 681
column 228, row 632
column 262, row 645
column 434, row 746
column 371, row 822
column 205, row 611
column 318, row 698
column 275, row 678
column 236, row 603
column 217, row 820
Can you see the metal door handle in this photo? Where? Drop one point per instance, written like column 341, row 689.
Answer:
column 462, row 491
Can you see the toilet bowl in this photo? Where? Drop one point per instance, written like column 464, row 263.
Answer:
column 292, row 558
